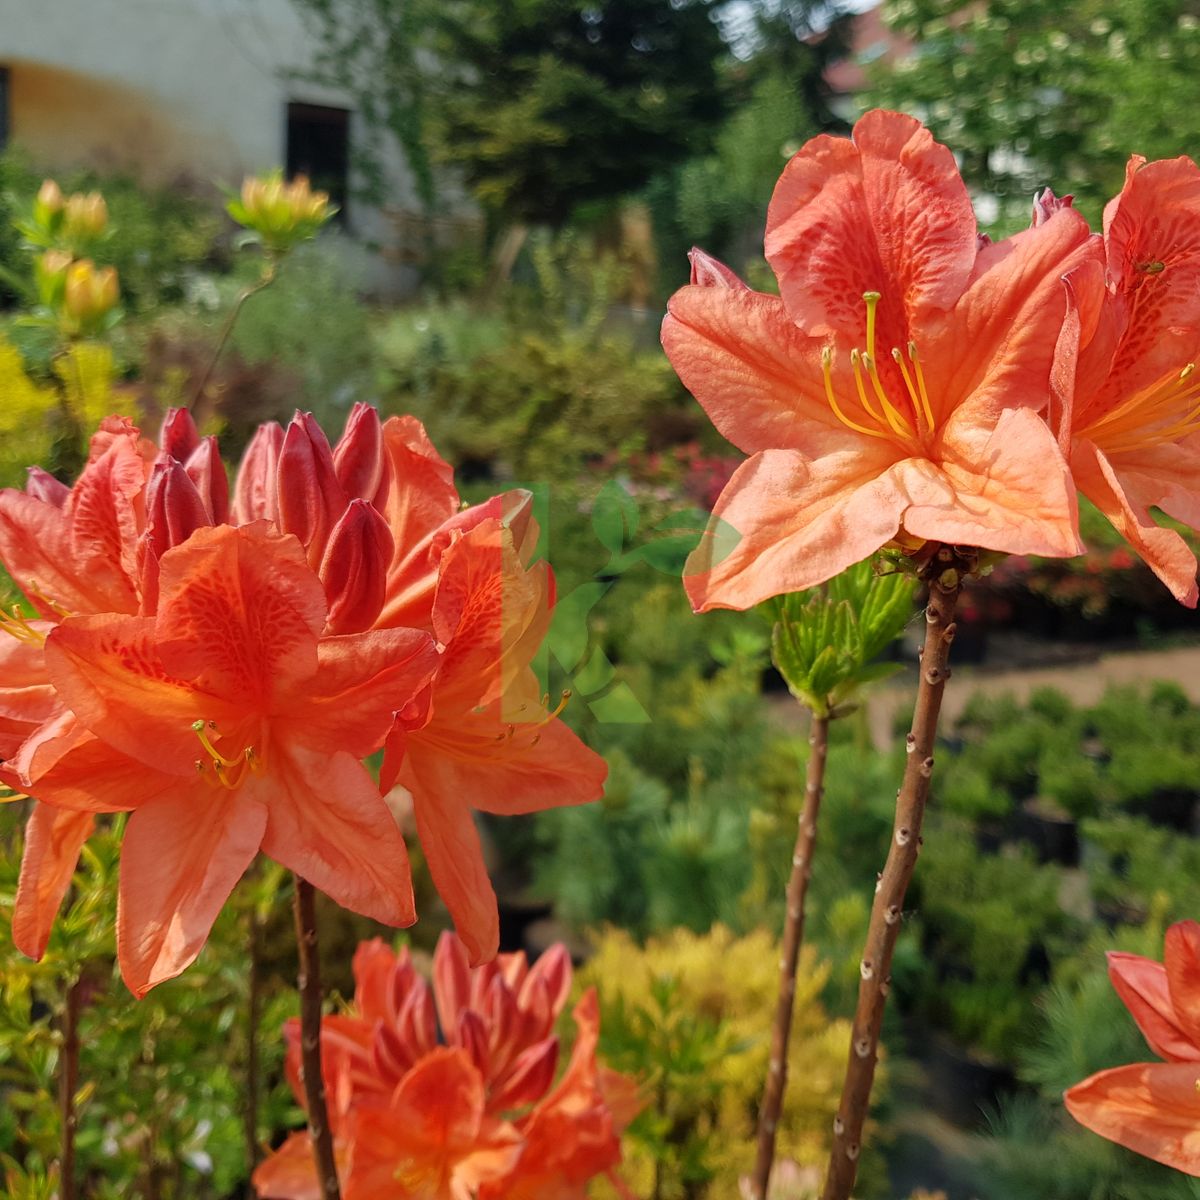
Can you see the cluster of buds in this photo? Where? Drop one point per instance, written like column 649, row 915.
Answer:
column 492, row 1072
column 74, row 223
column 78, row 297
column 280, row 215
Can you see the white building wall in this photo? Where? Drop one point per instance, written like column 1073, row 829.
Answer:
column 171, row 90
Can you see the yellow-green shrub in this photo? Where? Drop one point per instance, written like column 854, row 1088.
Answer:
column 691, row 1014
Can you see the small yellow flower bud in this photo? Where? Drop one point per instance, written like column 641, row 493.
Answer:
column 86, row 217
column 281, row 214
column 89, row 295
column 49, row 199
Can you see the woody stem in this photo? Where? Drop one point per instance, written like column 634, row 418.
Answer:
column 68, row 1085
column 253, row 1004
column 888, row 906
column 308, row 983
column 793, row 937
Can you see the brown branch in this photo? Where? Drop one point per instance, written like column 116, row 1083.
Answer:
column 944, row 573
column 793, row 937
column 68, row 1085
column 308, row 983
column 253, row 987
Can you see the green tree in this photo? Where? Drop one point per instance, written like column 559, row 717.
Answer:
column 538, row 104
column 1031, row 93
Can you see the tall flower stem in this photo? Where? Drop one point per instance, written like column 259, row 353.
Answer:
column 309, row 984
column 264, row 281
column 68, row 1085
column 793, row 937
column 944, row 574
column 253, row 1004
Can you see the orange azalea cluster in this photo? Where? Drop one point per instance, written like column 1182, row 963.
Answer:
column 1154, row 1108
column 478, row 1115
column 218, row 665
column 915, row 382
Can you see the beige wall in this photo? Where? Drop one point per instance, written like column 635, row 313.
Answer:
column 170, row 90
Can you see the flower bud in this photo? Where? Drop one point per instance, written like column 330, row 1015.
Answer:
column 359, row 458
column 50, row 274
column 354, row 569
column 43, row 486
column 255, row 492
column 85, row 218
column 174, row 511
column 473, row 1038
column 89, row 295
column 310, row 498
column 179, row 435
column 281, row 214
column 206, row 470
column 48, row 205
column 1046, row 204
column 529, row 1079
column 554, row 969
column 709, row 272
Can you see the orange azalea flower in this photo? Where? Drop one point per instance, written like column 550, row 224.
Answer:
column 1132, row 407
column 478, row 1117
column 489, row 744
column 895, row 385
column 1154, row 1108
column 227, row 724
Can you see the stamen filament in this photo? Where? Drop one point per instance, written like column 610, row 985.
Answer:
column 16, row 624
column 856, row 363
column 899, row 425
column 914, row 358
column 827, row 372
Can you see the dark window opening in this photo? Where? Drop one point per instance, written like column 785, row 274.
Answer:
column 318, row 145
column 3, row 107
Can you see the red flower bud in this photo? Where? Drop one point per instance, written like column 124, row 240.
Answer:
column 255, row 496
column 529, row 1079
column 554, row 967
column 473, row 1038
column 359, row 459
column 174, row 511
column 310, row 498
column 179, row 436
column 709, row 272
column 43, row 486
column 354, row 569
column 206, row 470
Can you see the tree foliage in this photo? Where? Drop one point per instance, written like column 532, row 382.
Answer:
column 538, row 104
column 1033, row 93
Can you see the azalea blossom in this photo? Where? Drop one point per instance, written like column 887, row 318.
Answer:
column 895, row 387
column 227, row 724
column 1154, row 1108
column 476, row 1115
column 1131, row 402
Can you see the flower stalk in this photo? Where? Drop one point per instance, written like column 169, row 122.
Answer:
column 308, row 983
column 68, row 1086
column 944, row 572
column 793, row 937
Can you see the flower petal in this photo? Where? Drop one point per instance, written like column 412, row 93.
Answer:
column 1181, row 959
column 329, row 824
column 239, row 612
column 1150, row 1108
column 756, row 375
column 290, row 1173
column 181, row 857
column 1142, row 985
column 786, row 522
column 887, row 212
column 1010, row 489
column 455, row 858
column 361, row 681
column 1164, row 550
column 53, row 839
column 107, row 671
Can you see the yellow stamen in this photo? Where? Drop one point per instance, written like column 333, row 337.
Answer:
column 827, row 371
column 899, row 425
column 856, row 363
column 914, row 358
column 17, row 625
column 230, row 773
